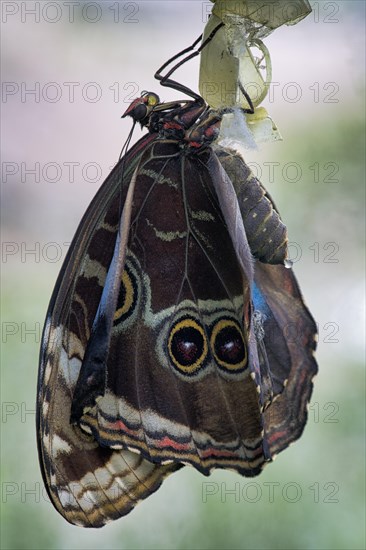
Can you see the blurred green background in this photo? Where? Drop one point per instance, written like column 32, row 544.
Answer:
column 313, row 495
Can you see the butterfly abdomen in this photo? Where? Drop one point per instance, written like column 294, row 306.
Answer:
column 266, row 233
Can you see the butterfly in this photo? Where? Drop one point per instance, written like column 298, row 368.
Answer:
column 175, row 335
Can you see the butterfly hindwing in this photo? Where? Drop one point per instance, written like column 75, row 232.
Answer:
column 285, row 330
column 291, row 356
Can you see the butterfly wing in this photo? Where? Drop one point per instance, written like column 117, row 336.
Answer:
column 185, row 380
column 178, row 384
column 285, row 330
column 289, row 337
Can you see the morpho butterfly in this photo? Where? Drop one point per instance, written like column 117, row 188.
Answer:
column 175, row 334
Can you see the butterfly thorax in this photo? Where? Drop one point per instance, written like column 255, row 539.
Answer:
column 192, row 124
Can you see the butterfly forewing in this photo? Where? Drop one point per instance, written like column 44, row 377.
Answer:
column 178, row 339
column 178, row 336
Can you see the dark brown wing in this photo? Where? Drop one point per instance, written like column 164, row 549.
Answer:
column 290, row 336
column 179, row 386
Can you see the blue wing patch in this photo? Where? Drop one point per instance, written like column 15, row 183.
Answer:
column 259, row 302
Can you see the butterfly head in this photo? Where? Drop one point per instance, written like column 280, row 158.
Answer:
column 141, row 108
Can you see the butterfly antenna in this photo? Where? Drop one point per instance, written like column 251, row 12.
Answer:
column 127, row 142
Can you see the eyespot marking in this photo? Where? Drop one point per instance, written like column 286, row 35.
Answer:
column 228, row 346
column 187, row 346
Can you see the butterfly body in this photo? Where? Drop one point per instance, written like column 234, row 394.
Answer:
column 187, row 371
